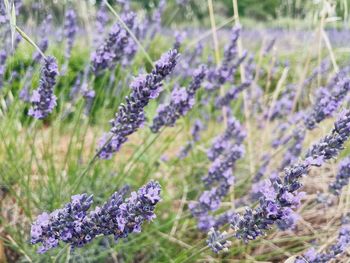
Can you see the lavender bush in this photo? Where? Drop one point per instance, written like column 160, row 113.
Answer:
column 247, row 131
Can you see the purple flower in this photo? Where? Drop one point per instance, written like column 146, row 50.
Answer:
column 328, row 100
column 233, row 132
column 181, row 101
column 219, row 76
column 224, row 153
column 66, row 224
column 342, row 244
column 131, row 116
column 179, row 38
column 254, row 222
column 75, row 226
column 70, row 30
column 113, row 49
column 196, row 129
column 217, row 241
column 3, row 58
column 262, row 169
column 43, row 99
column 231, row 95
column 101, row 22
column 283, row 106
column 342, row 177
column 294, row 150
column 44, row 42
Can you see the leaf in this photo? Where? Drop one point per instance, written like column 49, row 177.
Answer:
column 13, row 23
column 11, row 13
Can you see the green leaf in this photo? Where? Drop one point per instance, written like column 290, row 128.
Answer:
column 13, row 23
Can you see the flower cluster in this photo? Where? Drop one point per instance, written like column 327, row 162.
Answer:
column 131, row 116
column 179, row 38
column 3, row 57
column 342, row 177
column 44, row 42
column 224, row 153
column 234, row 132
column 283, row 105
column 279, row 196
column 265, row 160
column 294, row 150
column 328, row 100
column 219, row 76
column 70, row 30
column 113, row 49
column 181, row 101
column 101, row 22
column 342, row 244
column 43, row 99
column 231, row 94
column 74, row 225
column 195, row 131
column 3, row 15
column 217, row 242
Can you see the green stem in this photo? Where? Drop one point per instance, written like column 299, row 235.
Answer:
column 30, row 41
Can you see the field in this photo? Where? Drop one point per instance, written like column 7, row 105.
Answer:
column 174, row 131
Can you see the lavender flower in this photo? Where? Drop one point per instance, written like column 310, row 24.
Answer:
column 88, row 95
column 75, row 226
column 101, row 22
column 342, row 177
column 283, row 106
column 231, row 94
column 68, row 224
column 157, row 18
column 131, row 116
column 217, row 241
column 262, row 169
column 182, row 100
column 196, row 129
column 3, row 57
column 280, row 197
column 179, row 38
column 70, row 30
column 113, row 49
column 233, row 132
column 269, row 46
column 294, row 150
column 327, row 102
column 24, row 94
column 184, row 151
column 342, row 244
column 218, row 77
column 220, row 177
column 44, row 42
column 190, row 61
column 43, row 99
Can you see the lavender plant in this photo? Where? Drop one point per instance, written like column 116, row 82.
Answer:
column 43, row 99
column 342, row 177
column 113, row 49
column 342, row 244
column 224, row 153
column 3, row 57
column 280, row 196
column 70, row 30
column 131, row 116
column 76, row 226
column 328, row 100
column 181, row 101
